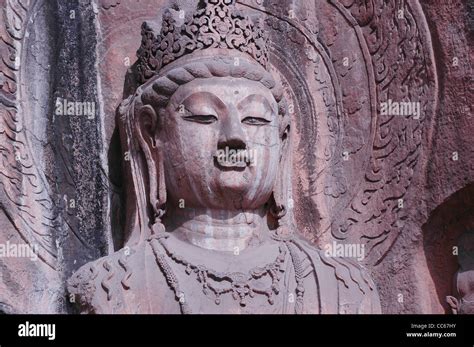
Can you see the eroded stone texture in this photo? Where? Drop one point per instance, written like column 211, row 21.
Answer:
column 54, row 188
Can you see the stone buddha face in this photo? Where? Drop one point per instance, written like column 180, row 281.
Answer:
column 463, row 285
column 463, row 302
column 221, row 144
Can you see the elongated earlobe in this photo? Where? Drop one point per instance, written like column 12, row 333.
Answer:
column 147, row 128
column 281, row 190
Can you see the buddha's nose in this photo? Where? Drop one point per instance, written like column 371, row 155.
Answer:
column 231, row 134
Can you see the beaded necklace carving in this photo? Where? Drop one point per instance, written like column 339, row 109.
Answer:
column 242, row 286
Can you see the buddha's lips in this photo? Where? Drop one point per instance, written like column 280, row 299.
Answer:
column 232, row 158
column 240, row 164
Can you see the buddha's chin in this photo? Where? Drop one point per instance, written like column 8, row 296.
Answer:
column 233, row 184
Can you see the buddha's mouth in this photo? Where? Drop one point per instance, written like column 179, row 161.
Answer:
column 230, row 165
column 233, row 159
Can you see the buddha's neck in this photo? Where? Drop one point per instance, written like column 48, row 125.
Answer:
column 220, row 230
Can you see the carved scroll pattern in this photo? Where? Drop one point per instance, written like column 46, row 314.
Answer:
column 404, row 72
column 362, row 195
column 24, row 192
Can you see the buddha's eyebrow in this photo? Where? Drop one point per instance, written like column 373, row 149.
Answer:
column 256, row 98
column 194, row 98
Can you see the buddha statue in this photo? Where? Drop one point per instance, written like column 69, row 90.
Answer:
column 462, row 302
column 206, row 134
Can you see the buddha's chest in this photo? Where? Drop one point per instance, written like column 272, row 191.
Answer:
column 208, row 292
column 178, row 285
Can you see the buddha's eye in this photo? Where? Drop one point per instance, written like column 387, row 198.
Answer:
column 202, row 118
column 255, row 121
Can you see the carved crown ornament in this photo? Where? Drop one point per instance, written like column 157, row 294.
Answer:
column 216, row 25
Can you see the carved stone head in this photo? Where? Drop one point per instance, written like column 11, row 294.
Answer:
column 463, row 300
column 206, row 128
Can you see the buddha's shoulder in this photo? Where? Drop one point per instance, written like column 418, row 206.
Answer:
column 347, row 269
column 100, row 285
column 352, row 280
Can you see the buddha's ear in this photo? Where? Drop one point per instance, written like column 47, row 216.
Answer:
column 285, row 139
column 147, row 124
column 281, row 190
